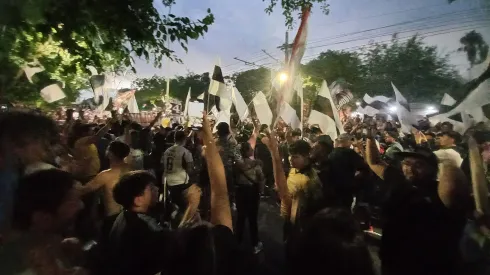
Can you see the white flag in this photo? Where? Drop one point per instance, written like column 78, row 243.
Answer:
column 288, row 114
column 52, row 93
column 201, row 96
column 240, row 105
column 448, row 100
column 188, row 98
column 133, row 105
column 262, row 109
column 31, row 71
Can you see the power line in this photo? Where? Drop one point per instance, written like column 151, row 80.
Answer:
column 446, row 16
column 407, row 31
column 259, row 55
column 425, row 35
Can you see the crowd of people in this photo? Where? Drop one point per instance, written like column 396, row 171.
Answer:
column 119, row 198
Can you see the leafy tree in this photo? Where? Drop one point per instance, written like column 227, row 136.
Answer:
column 66, row 36
column 152, row 89
column 290, row 7
column 415, row 68
column 335, row 65
column 252, row 81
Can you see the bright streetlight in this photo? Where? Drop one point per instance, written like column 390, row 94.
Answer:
column 358, row 103
column 283, row 77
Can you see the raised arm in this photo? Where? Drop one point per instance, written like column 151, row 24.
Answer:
column 279, row 176
column 155, row 120
column 373, row 158
column 93, row 185
column 220, row 205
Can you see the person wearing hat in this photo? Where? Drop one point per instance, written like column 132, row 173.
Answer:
column 423, row 218
column 448, row 151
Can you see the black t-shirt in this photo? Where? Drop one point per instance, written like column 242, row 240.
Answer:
column 344, row 163
column 138, row 245
column 420, row 235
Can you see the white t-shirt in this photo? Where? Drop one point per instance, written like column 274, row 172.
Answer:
column 173, row 161
column 449, row 156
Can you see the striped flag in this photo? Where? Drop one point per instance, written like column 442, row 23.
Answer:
column 217, row 88
column 371, row 106
column 298, row 50
column 325, row 114
column 403, row 112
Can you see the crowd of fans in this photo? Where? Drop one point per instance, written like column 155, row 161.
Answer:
column 122, row 198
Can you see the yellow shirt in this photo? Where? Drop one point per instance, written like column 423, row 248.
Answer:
column 88, row 157
column 296, row 182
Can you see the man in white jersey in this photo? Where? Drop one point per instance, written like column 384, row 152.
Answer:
column 177, row 166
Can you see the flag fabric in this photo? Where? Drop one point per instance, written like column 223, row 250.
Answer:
column 97, row 82
column 122, row 99
column 217, row 88
column 448, row 100
column 217, row 84
column 105, row 102
column 92, row 69
column 52, row 93
column 291, row 111
column 223, row 116
column 290, row 116
column 325, row 114
column 262, row 109
column 187, row 99
column 240, row 105
column 201, row 97
column 340, row 94
column 31, row 71
column 472, row 105
column 403, row 111
column 298, row 50
column 133, row 105
column 371, row 106
column 167, row 92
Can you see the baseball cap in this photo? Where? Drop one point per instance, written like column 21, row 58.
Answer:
column 420, row 153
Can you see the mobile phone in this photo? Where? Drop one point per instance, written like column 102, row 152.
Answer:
column 195, row 109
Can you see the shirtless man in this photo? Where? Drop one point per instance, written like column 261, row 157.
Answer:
column 116, row 152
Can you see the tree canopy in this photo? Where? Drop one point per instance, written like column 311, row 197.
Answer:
column 67, row 36
column 414, row 67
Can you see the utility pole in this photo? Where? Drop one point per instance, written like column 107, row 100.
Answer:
column 285, row 47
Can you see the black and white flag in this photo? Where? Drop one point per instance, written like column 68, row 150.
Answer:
column 217, row 89
column 325, row 114
column 372, row 106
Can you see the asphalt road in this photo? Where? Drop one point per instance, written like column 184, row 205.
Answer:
column 271, row 260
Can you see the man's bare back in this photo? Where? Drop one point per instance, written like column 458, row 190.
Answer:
column 107, row 179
